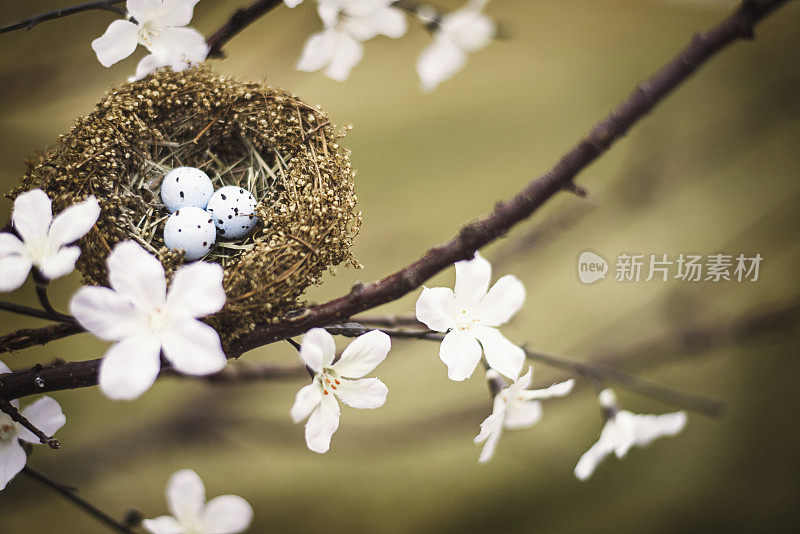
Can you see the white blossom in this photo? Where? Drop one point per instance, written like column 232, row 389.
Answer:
column 515, row 407
column 623, row 430
column 348, row 23
column 159, row 26
column 45, row 240
column 45, row 414
column 144, row 319
column 191, row 514
column 317, row 401
column 471, row 315
column 459, row 33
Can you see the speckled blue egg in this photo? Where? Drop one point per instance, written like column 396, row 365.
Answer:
column 184, row 187
column 234, row 211
column 192, row 230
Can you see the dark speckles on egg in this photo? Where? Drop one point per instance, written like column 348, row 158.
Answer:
column 230, row 217
column 182, row 195
column 222, row 231
column 223, row 197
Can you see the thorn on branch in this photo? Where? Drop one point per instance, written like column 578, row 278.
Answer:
column 17, row 417
column 576, row 189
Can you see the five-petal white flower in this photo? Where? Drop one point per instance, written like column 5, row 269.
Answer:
column 160, row 27
column 45, row 414
column 515, row 407
column 330, row 381
column 623, row 430
column 143, row 318
column 45, row 239
column 460, row 32
column 471, row 314
column 347, row 23
column 186, row 500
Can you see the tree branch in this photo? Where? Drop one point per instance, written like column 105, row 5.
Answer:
column 476, row 234
column 241, row 19
column 28, row 337
column 27, row 24
column 586, row 369
column 69, row 493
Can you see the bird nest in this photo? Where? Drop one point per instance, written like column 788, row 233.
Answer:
column 264, row 140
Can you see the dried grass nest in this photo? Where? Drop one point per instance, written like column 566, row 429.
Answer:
column 265, row 140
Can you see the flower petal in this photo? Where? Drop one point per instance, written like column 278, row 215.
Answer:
column 491, row 430
column 347, row 54
column 146, row 65
column 503, row 300
column 174, row 13
column 186, row 496
column 646, row 428
column 227, row 514
column 46, row 415
column 105, row 313
column 522, row 414
column 364, row 393
column 14, row 271
column 179, row 47
column 363, row 354
column 143, row 10
column 10, row 245
column 74, row 222
column 193, row 348
column 317, row 52
column 317, row 349
column 118, row 42
column 322, row 424
column 137, row 274
column 436, row 308
column 559, row 389
column 165, row 524
column 60, row 264
column 501, row 355
column 305, row 401
column 196, row 290
column 461, row 353
column 440, row 61
column 592, row 458
column 32, row 215
column 130, row 367
column 472, row 280
column 12, row 460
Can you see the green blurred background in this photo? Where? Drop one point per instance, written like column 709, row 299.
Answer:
column 713, row 169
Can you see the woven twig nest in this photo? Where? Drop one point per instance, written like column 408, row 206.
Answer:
column 264, row 140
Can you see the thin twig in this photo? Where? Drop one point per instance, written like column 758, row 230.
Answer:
column 27, row 24
column 35, row 312
column 69, row 493
column 478, row 233
column 17, row 417
column 583, row 368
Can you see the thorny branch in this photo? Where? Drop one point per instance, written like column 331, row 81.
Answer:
column 476, row 234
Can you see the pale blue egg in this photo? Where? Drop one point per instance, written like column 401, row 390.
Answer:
column 234, row 211
column 192, row 230
column 186, row 187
